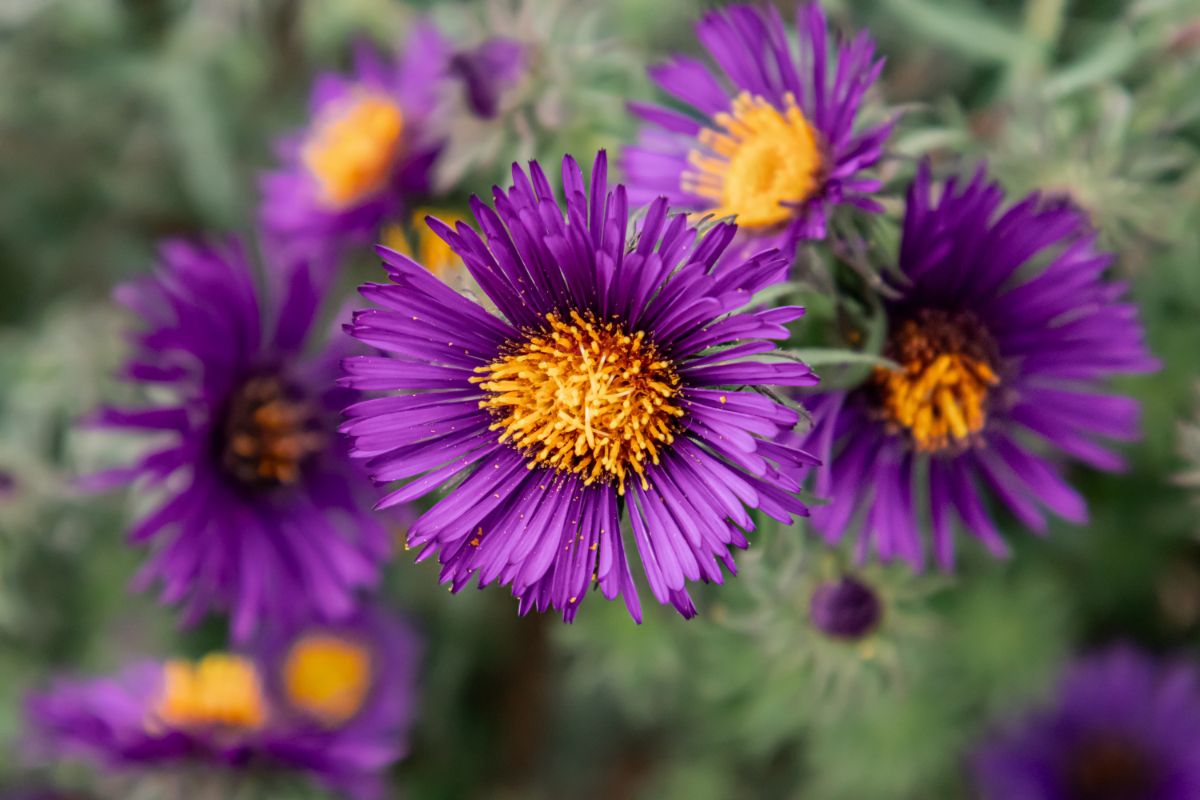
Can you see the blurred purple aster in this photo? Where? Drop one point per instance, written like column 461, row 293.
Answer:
column 772, row 138
column 262, row 514
column 332, row 701
column 366, row 151
column 1121, row 727
column 616, row 383
column 1003, row 334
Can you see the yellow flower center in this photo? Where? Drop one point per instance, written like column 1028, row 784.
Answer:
column 939, row 395
column 221, row 690
column 760, row 166
column 423, row 245
column 585, row 397
column 352, row 147
column 327, row 677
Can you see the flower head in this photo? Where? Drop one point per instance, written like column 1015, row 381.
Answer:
column 365, row 153
column 1121, row 726
column 615, row 383
column 260, row 513
column 772, row 140
column 1001, row 336
column 332, row 701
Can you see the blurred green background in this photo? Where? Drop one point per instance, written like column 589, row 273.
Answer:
column 124, row 121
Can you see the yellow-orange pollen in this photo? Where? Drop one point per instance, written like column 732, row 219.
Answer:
column 269, row 434
column 586, row 397
column 352, row 147
column 940, row 393
column 327, row 677
column 763, row 162
column 219, row 691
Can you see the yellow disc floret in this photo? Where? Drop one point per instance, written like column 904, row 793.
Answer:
column 352, row 147
column 327, row 677
column 586, row 397
column 219, row 691
column 763, row 162
column 940, row 393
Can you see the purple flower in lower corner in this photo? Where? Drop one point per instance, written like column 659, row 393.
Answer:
column 331, row 701
column 259, row 510
column 1121, row 727
column 773, row 138
column 1003, row 333
column 365, row 153
column 615, row 386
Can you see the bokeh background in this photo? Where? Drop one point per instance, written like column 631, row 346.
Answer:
column 124, row 121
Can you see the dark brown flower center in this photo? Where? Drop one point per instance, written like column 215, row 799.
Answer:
column 270, row 432
column 1109, row 768
column 947, row 370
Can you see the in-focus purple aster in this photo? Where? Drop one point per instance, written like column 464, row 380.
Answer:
column 332, row 701
column 261, row 514
column 1003, row 333
column 1122, row 727
column 615, row 384
column 773, row 138
column 366, row 151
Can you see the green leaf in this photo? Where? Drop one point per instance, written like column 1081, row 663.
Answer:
column 969, row 31
column 1106, row 61
column 826, row 356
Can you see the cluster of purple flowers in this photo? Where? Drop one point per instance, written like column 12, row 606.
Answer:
column 605, row 398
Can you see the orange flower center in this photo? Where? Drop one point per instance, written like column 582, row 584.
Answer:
column 327, row 677
column 269, row 434
column 939, row 394
column 352, row 147
column 585, row 397
column 763, row 162
column 221, row 690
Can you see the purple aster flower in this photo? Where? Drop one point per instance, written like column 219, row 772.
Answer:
column 332, row 701
column 1003, row 333
column 775, row 143
column 262, row 514
column 366, row 151
column 1122, row 727
column 616, row 383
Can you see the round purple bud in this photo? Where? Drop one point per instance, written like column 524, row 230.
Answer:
column 8, row 484
column 845, row 609
column 487, row 71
